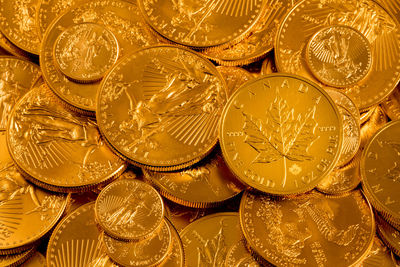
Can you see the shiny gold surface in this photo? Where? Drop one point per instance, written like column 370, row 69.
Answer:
column 268, row 65
column 309, row 230
column 18, row 23
column 120, row 17
column 16, row 77
column 376, row 121
column 26, row 211
column 129, row 210
column 378, row 26
column 56, row 148
column 12, row 49
column 239, row 256
column 391, row 105
column 85, row 52
column 379, row 256
column 168, row 136
column 209, row 239
column 380, row 171
column 153, row 250
column 16, row 259
column 349, row 66
column 281, row 134
column 176, row 258
column 212, row 175
column 202, row 24
column 390, row 235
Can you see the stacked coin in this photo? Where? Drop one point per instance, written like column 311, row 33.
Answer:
column 199, row 133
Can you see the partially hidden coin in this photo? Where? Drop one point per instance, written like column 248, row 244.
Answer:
column 379, row 256
column 281, row 134
column 16, row 78
column 36, row 260
column 85, row 52
column 202, row 24
column 308, row 230
column 56, row 148
column 234, row 77
column 239, row 256
column 14, row 260
column 153, row 250
column 390, row 235
column 209, row 239
column 27, row 213
column 129, row 210
column 391, row 105
column 380, row 171
column 160, row 107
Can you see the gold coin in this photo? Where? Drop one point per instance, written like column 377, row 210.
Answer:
column 380, row 169
column 37, row 260
column 392, row 6
column 239, row 256
column 366, row 16
column 344, row 101
column 234, row 77
column 379, row 256
column 56, row 148
column 85, row 52
column 260, row 41
column 366, row 114
column 122, row 18
column 349, row 66
column 160, row 107
column 18, row 24
column 148, row 252
column 281, row 134
column 342, row 180
column 391, row 105
column 176, row 258
column 26, row 212
column 129, row 210
column 308, row 230
column 268, row 65
column 76, row 238
column 208, row 184
column 128, row 174
column 202, row 24
column 79, row 199
column 16, row 77
column 376, row 121
column 16, row 259
column 207, row 241
column 49, row 10
column 390, row 235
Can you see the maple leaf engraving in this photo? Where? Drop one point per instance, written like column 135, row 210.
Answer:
column 283, row 135
column 213, row 252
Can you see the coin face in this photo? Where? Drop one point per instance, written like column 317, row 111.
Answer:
column 49, row 10
column 160, row 107
column 148, row 252
column 370, row 19
column 122, row 18
column 79, row 233
column 209, row 239
column 339, row 56
column 26, row 212
column 85, row 52
column 342, row 180
column 239, row 256
column 380, row 171
column 259, row 42
column 18, row 23
column 56, row 148
column 201, row 24
column 10, row 48
column 379, row 256
column 281, row 134
column 129, row 209
column 16, row 78
column 308, row 230
column 214, row 178
column 234, row 77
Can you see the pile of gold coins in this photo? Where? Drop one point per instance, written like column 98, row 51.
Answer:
column 199, row 133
